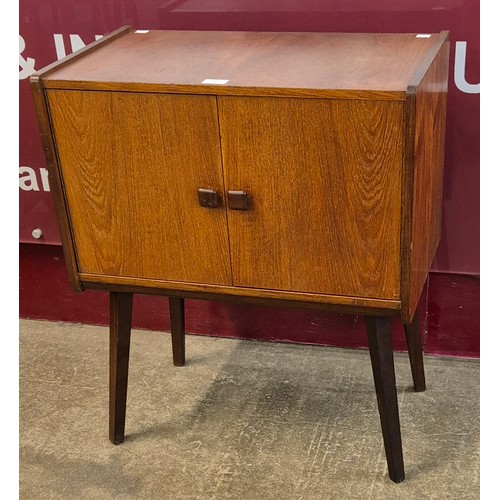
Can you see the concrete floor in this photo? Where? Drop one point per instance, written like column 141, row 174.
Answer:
column 242, row 420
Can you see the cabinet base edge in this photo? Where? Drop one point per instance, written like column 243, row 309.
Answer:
column 338, row 303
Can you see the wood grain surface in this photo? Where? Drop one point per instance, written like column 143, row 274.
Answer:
column 318, row 63
column 426, row 179
column 407, row 200
column 132, row 165
column 50, row 150
column 324, row 182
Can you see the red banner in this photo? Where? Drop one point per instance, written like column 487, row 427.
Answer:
column 50, row 30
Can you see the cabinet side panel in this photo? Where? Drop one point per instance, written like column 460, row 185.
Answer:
column 55, row 182
column 131, row 166
column 428, row 166
column 324, row 181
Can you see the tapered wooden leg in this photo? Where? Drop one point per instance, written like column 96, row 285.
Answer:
column 379, row 340
column 415, row 353
column 177, row 326
column 119, row 349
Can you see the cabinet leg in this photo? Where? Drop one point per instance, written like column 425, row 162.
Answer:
column 119, row 348
column 379, row 340
column 415, row 354
column 177, row 326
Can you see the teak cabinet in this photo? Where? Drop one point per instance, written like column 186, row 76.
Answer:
column 282, row 168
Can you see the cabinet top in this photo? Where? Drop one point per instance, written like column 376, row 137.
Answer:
column 341, row 65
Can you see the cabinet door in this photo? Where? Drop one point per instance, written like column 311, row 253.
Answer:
column 131, row 167
column 324, row 184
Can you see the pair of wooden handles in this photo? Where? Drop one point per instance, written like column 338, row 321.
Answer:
column 236, row 200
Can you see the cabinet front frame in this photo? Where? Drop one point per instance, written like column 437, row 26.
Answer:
column 81, row 281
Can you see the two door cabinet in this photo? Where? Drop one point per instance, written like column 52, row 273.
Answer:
column 300, row 169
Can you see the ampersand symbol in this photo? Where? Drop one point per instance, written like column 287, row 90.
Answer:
column 27, row 65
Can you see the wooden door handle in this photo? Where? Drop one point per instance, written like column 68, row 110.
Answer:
column 208, row 198
column 237, row 200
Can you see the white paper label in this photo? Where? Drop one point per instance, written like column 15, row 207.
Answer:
column 214, row 81
column 142, row 31
column 423, row 35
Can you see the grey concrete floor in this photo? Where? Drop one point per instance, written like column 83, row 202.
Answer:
column 242, row 420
